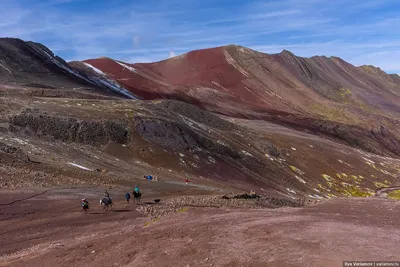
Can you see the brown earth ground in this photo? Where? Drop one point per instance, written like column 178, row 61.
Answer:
column 62, row 139
column 50, row 230
column 41, row 223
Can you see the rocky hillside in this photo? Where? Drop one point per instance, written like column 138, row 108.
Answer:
column 67, row 135
column 66, row 141
column 260, row 81
column 359, row 106
column 34, row 66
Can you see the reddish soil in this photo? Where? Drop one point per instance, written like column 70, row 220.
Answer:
column 318, row 116
column 50, row 230
column 280, row 81
column 173, row 141
column 355, row 105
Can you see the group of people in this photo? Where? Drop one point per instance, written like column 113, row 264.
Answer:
column 136, row 193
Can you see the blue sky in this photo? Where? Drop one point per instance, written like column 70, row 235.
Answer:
column 361, row 32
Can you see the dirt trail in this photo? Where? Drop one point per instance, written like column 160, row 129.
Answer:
column 380, row 191
column 50, row 230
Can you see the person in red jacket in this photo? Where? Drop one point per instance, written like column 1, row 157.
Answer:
column 186, row 181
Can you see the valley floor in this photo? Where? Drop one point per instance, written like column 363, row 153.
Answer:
column 48, row 229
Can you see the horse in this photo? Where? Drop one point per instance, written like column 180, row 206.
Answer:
column 136, row 196
column 105, row 203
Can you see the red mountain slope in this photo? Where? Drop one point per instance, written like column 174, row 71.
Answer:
column 259, row 81
column 324, row 95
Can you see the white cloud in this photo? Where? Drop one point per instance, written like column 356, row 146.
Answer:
column 172, row 54
column 136, row 40
column 146, row 31
column 387, row 60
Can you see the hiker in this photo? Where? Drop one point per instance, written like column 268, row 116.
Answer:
column 106, row 194
column 85, row 205
column 127, row 196
column 136, row 189
column 186, row 181
column 136, row 194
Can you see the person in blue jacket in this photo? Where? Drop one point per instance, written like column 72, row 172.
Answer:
column 128, row 197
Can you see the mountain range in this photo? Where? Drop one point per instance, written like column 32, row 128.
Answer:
column 217, row 140
column 278, row 123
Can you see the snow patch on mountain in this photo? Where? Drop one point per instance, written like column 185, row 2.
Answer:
column 94, row 68
column 116, row 87
column 98, row 81
column 79, row 166
column 66, row 68
column 127, row 67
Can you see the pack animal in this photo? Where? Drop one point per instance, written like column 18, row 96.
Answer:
column 106, row 203
column 136, row 196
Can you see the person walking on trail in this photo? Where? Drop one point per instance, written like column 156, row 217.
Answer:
column 127, row 196
column 136, row 194
column 106, row 194
column 186, row 181
column 85, row 205
column 136, row 189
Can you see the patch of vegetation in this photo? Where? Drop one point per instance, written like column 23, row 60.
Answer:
column 331, row 185
column 327, row 177
column 356, row 191
column 344, row 95
column 335, row 114
column 348, row 189
column 379, row 169
column 183, row 209
column 323, row 188
column 372, row 165
column 366, row 107
column 345, row 177
column 388, row 183
column 130, row 114
column 379, row 184
column 395, row 194
column 384, row 171
column 357, row 179
column 296, row 170
column 369, row 190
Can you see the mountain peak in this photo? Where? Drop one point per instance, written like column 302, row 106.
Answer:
column 287, row 52
column 371, row 67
